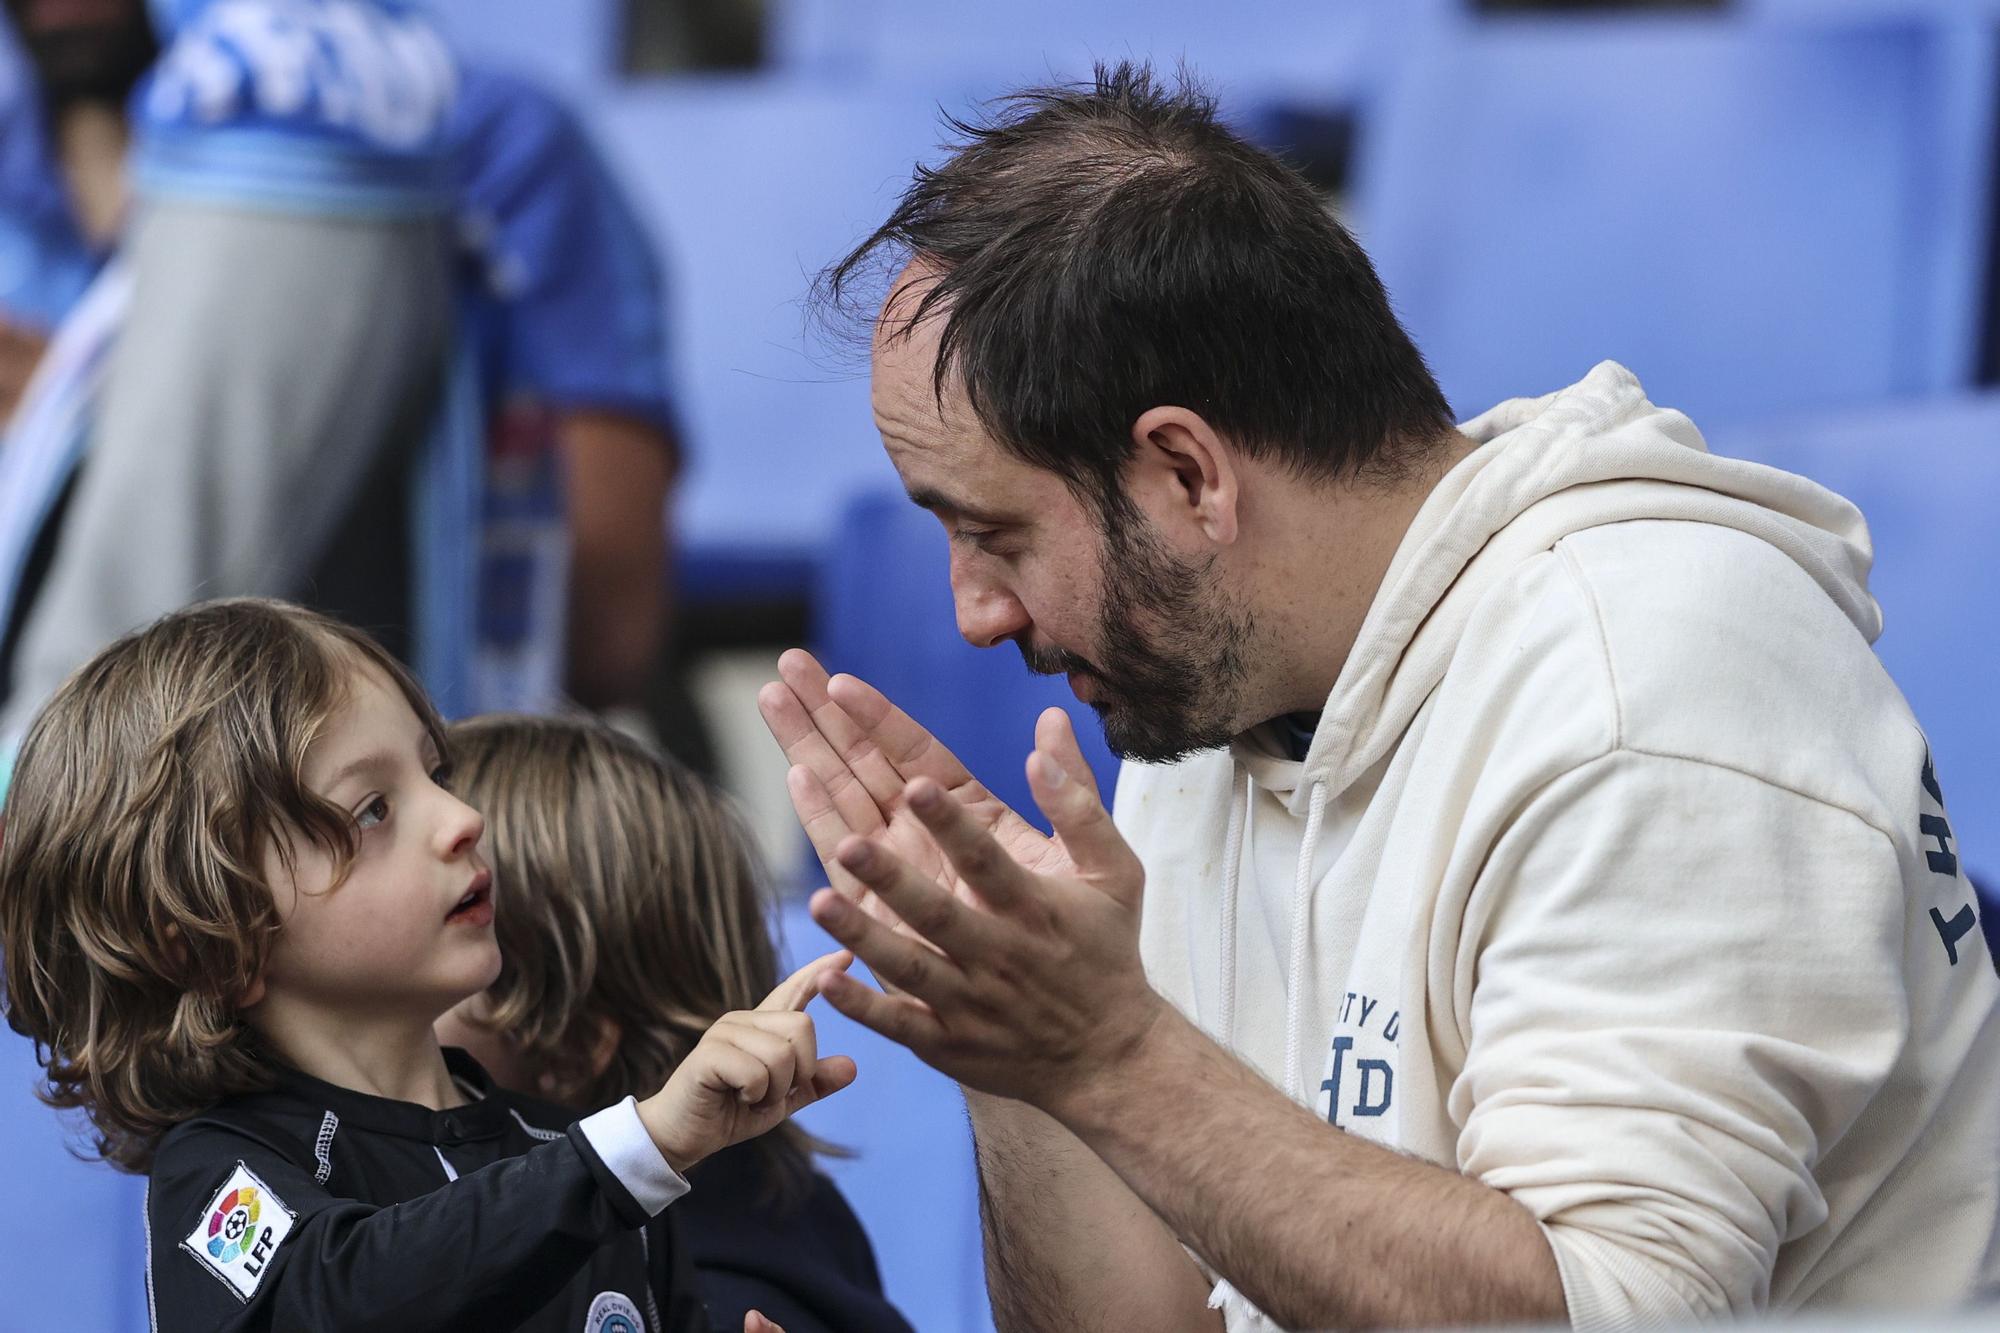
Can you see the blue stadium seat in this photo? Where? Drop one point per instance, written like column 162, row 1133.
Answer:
column 72, row 1233
column 753, row 188
column 1927, row 477
column 1756, row 217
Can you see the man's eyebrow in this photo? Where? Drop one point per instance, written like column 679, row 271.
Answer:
column 937, row 502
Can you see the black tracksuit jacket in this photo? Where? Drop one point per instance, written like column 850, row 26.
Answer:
column 312, row 1207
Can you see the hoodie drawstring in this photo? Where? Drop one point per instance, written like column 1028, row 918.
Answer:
column 1232, row 877
column 1295, row 987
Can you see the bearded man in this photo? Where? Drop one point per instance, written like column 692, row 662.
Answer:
column 1550, row 909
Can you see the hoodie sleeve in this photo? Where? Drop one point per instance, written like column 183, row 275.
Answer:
column 1689, row 984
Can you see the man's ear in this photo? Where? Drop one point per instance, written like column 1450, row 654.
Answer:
column 1181, row 469
column 605, row 1046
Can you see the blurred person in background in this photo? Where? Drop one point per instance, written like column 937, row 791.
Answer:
column 63, row 137
column 277, row 312
column 570, row 440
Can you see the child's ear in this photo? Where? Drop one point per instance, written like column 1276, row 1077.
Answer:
column 247, row 998
column 606, row 1046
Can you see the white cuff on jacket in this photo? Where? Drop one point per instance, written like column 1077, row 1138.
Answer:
column 621, row 1140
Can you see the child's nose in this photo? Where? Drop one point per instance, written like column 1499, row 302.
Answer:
column 462, row 828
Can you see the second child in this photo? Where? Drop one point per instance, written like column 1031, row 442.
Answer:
column 634, row 915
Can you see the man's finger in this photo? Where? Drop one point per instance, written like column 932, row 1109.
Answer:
column 825, row 826
column 849, row 739
column 979, row 860
column 902, row 961
column 926, row 907
column 900, row 1018
column 1055, row 736
column 1095, row 846
column 799, row 736
column 913, row 751
column 797, row 990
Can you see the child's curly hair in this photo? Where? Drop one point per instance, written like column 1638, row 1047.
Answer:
column 134, row 906
column 630, row 891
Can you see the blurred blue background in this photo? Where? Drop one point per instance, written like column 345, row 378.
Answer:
column 1778, row 213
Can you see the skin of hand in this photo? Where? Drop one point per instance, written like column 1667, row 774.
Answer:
column 1017, row 954
column 852, row 754
column 755, row 1322
column 751, row 1070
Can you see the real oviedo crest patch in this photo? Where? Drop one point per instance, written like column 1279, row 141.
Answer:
column 239, row 1233
column 613, row 1312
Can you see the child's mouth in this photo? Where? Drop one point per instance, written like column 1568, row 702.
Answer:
column 476, row 907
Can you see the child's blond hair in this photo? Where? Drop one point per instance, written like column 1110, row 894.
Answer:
column 629, row 891
column 133, row 903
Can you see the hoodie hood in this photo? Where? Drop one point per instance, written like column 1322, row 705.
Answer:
column 1595, row 453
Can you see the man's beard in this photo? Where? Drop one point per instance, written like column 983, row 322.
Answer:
column 1168, row 694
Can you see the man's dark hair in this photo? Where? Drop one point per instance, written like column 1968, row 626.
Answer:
column 1106, row 248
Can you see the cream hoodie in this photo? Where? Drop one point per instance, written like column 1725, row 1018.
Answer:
column 1616, row 877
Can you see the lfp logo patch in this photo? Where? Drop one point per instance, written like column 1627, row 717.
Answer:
column 240, row 1231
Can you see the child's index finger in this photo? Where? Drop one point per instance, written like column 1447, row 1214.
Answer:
column 797, row 990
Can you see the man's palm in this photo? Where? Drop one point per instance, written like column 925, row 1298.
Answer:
column 1029, row 847
column 857, row 757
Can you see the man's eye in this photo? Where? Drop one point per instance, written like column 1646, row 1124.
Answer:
column 373, row 813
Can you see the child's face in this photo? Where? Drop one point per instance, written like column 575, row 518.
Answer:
column 409, row 932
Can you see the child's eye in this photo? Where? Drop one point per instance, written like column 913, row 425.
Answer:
column 441, row 775
column 373, row 813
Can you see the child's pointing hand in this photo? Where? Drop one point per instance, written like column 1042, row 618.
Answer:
column 752, row 1069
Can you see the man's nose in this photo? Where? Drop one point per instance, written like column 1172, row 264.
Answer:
column 988, row 614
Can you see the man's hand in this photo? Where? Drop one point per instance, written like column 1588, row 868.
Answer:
column 1022, row 980
column 1062, row 1232
column 853, row 753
